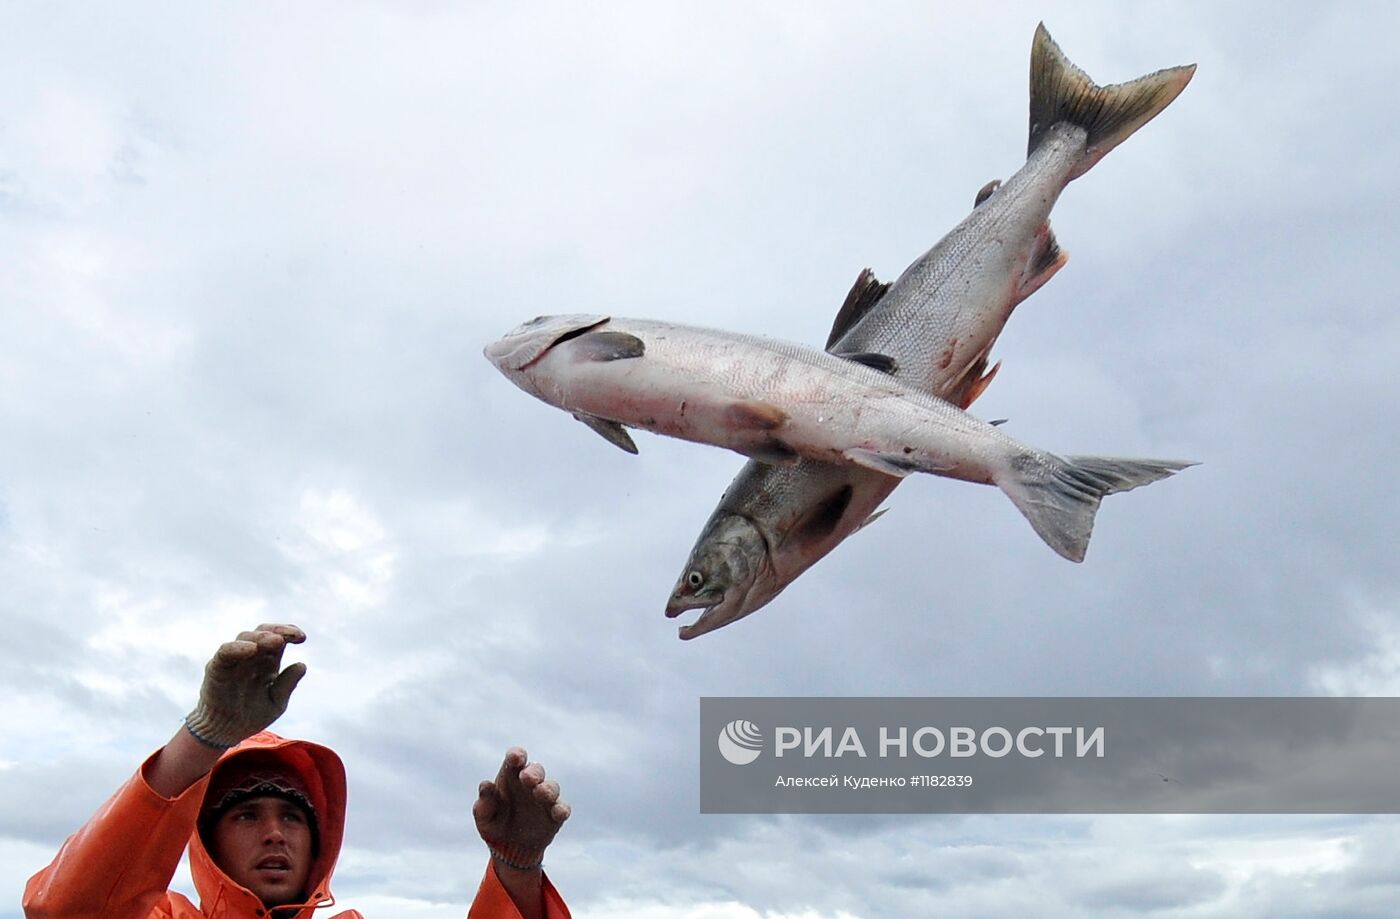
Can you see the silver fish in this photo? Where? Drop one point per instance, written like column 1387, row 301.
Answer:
column 781, row 402
column 935, row 325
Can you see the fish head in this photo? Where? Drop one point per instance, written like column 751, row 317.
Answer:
column 528, row 342
column 729, row 574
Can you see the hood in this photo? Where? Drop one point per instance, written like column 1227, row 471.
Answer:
column 320, row 770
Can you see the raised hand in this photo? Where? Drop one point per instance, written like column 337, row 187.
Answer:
column 519, row 813
column 244, row 688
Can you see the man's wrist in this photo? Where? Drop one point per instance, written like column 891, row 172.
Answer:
column 517, row 859
column 210, row 730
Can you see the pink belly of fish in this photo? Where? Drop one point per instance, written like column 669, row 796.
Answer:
column 663, row 400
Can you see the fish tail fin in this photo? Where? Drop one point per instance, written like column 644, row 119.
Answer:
column 1060, row 91
column 1061, row 495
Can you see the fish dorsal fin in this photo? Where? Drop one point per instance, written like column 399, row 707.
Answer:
column 881, row 362
column 865, row 293
column 610, row 431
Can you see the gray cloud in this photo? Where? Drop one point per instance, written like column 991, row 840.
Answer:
column 250, row 273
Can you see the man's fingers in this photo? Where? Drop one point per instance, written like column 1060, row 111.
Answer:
column 266, row 642
column 287, row 680
column 532, row 775
column 232, row 653
column 515, row 760
column 271, row 637
column 290, row 633
column 521, row 810
column 487, row 802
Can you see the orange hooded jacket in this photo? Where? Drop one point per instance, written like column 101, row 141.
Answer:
column 119, row 865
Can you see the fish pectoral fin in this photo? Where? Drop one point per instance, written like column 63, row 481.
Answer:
column 775, row 453
column 881, row 362
column 896, row 466
column 754, row 414
column 820, row 520
column 608, row 346
column 610, row 431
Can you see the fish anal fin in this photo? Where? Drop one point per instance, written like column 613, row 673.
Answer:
column 608, row 345
column 1047, row 259
column 610, row 431
column 750, row 414
column 896, row 466
column 881, row 362
column 865, row 293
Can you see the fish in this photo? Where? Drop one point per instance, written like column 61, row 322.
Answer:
column 937, row 324
column 774, row 522
column 780, row 402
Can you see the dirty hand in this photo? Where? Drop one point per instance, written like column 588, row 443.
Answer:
column 518, row 814
column 243, row 691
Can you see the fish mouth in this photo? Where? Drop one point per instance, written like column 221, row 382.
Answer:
column 716, row 611
column 679, row 603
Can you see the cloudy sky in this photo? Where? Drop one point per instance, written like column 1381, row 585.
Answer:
column 251, row 256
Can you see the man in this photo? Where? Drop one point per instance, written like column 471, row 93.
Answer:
column 263, row 816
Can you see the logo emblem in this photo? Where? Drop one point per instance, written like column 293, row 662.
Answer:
column 740, row 742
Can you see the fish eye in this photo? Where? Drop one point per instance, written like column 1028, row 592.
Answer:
column 695, row 580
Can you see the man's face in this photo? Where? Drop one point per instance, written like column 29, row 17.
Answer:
column 265, row 845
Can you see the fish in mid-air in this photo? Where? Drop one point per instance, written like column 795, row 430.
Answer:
column 933, row 328
column 780, row 402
